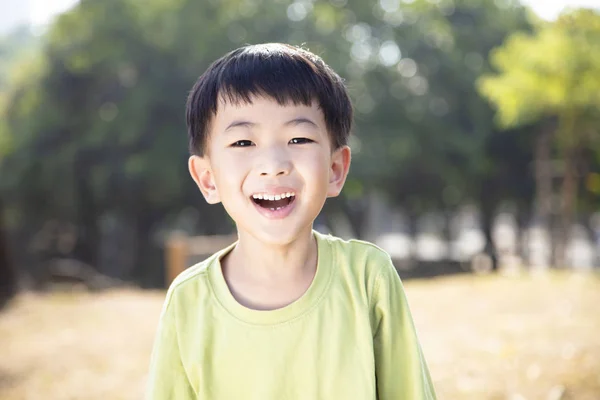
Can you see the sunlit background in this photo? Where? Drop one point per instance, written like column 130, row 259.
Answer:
column 41, row 12
column 476, row 165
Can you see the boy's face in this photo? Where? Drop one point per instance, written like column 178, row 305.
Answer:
column 261, row 151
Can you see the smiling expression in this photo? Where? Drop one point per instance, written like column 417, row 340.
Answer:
column 271, row 166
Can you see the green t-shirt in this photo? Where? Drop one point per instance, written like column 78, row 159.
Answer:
column 350, row 336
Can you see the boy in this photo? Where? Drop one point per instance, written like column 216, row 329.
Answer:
column 285, row 312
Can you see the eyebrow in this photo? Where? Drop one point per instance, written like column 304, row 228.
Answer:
column 295, row 121
column 301, row 120
column 235, row 124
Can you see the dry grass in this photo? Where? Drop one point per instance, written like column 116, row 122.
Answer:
column 485, row 337
column 515, row 338
column 78, row 345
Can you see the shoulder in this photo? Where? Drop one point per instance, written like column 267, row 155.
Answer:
column 356, row 252
column 192, row 282
column 359, row 262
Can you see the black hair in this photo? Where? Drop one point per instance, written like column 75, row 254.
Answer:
column 285, row 73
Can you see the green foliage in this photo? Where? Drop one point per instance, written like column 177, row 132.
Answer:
column 554, row 72
column 96, row 122
column 423, row 127
column 18, row 62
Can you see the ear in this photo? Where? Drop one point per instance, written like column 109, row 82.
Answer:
column 338, row 171
column 202, row 174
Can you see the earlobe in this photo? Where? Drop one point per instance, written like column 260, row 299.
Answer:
column 340, row 165
column 202, row 174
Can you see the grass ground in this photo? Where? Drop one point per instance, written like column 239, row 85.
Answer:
column 485, row 337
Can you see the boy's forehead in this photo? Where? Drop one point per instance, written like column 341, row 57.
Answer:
column 230, row 108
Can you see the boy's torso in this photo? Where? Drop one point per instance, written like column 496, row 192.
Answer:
column 319, row 347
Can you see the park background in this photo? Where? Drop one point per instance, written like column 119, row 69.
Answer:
column 476, row 164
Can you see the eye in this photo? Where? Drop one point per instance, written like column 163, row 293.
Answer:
column 301, row 140
column 242, row 143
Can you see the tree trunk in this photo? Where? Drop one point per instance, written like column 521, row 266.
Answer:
column 148, row 269
column 88, row 239
column 567, row 208
column 487, row 220
column 543, row 176
column 488, row 201
column 570, row 142
column 8, row 275
column 544, row 173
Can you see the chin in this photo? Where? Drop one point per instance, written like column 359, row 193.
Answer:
column 279, row 236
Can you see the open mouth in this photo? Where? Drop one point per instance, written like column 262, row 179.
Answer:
column 274, row 202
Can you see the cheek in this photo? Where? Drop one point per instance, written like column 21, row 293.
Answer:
column 231, row 173
column 316, row 166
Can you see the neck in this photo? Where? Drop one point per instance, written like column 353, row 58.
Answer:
column 265, row 262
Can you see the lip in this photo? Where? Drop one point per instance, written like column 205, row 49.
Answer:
column 276, row 214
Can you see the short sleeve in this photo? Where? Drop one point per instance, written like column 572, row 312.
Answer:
column 400, row 367
column 167, row 378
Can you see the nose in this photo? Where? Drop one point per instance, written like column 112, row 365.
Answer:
column 274, row 162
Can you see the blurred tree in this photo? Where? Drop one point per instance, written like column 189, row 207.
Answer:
column 424, row 135
column 97, row 128
column 16, row 46
column 104, row 114
column 95, row 120
column 553, row 75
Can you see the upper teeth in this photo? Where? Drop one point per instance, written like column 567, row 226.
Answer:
column 273, row 196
